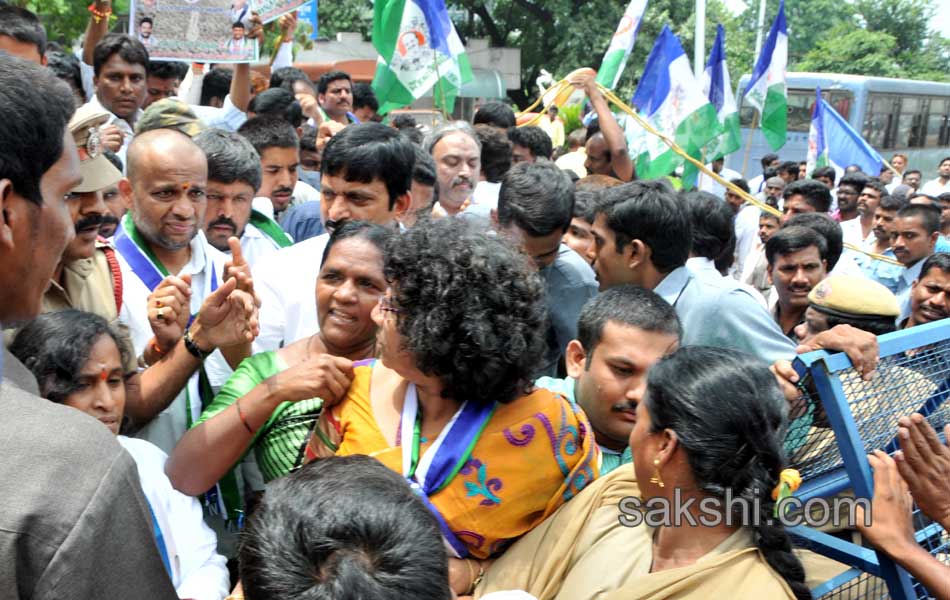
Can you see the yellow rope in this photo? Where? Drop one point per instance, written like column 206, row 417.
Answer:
column 715, row 176
column 554, row 91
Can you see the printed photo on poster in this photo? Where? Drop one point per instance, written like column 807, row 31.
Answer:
column 194, row 30
column 272, row 9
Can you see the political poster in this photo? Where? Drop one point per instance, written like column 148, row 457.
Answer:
column 272, row 9
column 194, row 30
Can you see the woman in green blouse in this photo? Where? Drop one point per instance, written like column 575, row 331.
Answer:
column 272, row 400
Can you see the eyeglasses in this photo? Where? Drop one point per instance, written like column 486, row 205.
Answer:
column 386, row 304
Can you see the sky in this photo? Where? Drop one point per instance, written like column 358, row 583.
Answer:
column 941, row 21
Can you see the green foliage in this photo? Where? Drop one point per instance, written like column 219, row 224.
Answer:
column 571, row 115
column 345, row 15
column 65, row 20
column 848, row 49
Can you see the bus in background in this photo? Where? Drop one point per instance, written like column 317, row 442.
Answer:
column 893, row 115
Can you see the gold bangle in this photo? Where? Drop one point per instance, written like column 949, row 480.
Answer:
column 478, row 578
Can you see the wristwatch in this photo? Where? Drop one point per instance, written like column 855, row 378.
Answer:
column 193, row 348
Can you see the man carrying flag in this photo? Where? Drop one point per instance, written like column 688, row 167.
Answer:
column 670, row 98
column 419, row 50
column 621, row 44
column 766, row 90
column 833, row 143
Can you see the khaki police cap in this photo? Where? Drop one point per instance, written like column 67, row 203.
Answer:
column 845, row 295
column 97, row 172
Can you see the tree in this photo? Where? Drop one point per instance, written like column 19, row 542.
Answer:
column 848, row 49
column 65, row 20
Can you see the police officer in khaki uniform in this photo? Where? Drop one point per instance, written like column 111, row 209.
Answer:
column 88, row 276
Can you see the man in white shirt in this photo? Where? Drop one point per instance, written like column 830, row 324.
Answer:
column 456, row 150
column 708, row 184
column 169, row 269
column 757, row 183
column 941, row 184
column 120, row 64
column 234, row 174
column 285, row 280
column 857, row 231
column 279, row 148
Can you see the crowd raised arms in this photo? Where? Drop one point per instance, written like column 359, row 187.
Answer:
column 324, row 351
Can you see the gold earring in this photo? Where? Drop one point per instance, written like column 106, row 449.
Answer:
column 656, row 479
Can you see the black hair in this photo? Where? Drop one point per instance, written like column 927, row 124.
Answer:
column 943, row 160
column 238, row 24
column 484, row 347
column 911, row 171
column 856, row 181
column 769, row 215
column 792, row 239
column 828, row 228
column 377, row 235
column 742, row 184
column 423, row 169
column 343, row 527
column 768, row 159
column 231, row 157
column 308, row 138
column 127, row 47
column 286, row 77
column 789, row 166
column 327, row 78
column 368, row 151
column 65, row 65
column 875, row 184
column 533, row 138
column 769, row 173
column 712, row 224
column 584, row 202
column 627, row 305
column 496, row 152
column 538, row 198
column 269, row 131
column 404, row 120
column 23, row 26
column 928, row 214
column 114, row 159
column 889, row 202
column 730, row 419
column 938, row 260
column 651, row 212
column 215, row 84
column 827, row 172
column 278, row 102
column 495, row 113
column 944, row 197
column 146, row 20
column 55, row 346
column 877, row 325
column 363, row 95
column 34, row 123
column 167, row 69
column 815, row 193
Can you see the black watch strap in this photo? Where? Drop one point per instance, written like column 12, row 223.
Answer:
column 193, row 348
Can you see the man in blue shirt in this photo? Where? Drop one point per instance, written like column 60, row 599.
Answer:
column 915, row 234
column 642, row 235
column 535, row 208
column 621, row 333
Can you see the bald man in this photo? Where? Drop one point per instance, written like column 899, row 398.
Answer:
column 168, row 266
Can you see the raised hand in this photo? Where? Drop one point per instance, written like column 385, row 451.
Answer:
column 924, row 463
column 327, row 130
column 239, row 269
column 227, row 317
column 319, row 376
column 169, row 310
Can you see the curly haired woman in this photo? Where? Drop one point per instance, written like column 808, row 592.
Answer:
column 450, row 403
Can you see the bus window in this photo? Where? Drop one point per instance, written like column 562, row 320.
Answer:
column 938, row 123
column 879, row 121
column 908, row 122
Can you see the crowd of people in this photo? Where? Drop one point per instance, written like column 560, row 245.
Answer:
column 330, row 357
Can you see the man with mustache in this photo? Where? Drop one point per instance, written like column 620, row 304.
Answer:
column 275, row 140
column 620, row 334
column 458, row 159
column 798, row 261
column 887, row 274
column 113, row 199
column 860, row 230
column 120, row 63
column 234, row 174
column 335, row 97
column 930, row 294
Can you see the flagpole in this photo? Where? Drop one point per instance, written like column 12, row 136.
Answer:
column 438, row 82
column 748, row 142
